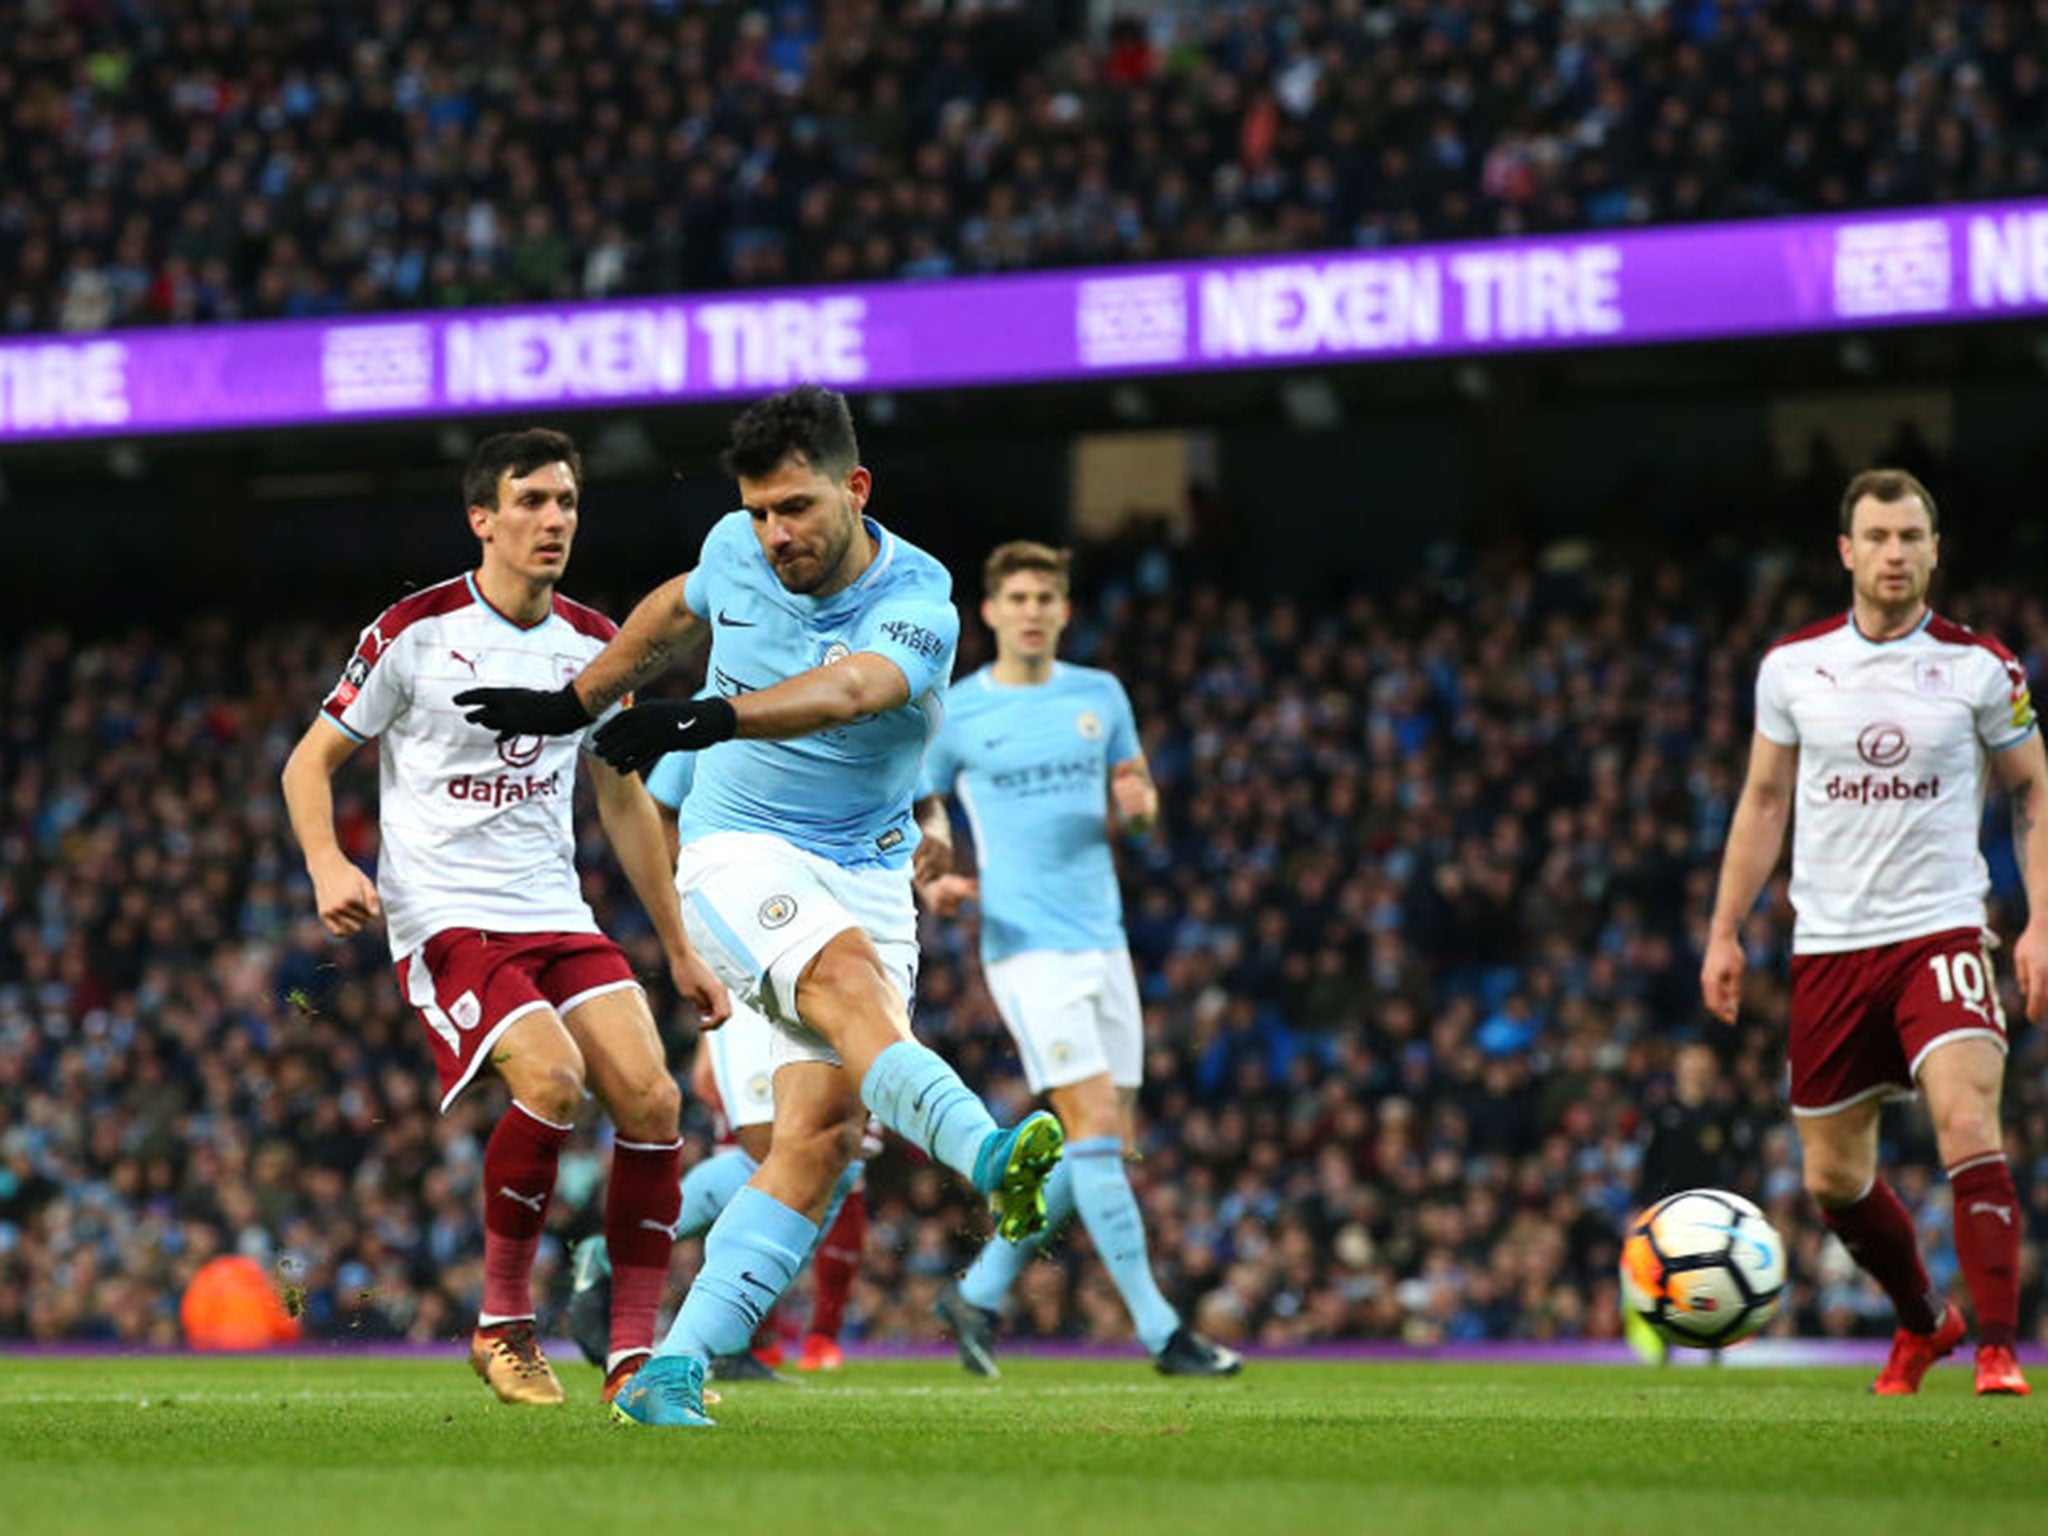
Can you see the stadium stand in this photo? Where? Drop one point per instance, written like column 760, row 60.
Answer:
column 1416, row 942
column 180, row 161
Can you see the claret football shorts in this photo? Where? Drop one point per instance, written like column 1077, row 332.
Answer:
column 1864, row 1019
column 468, row 987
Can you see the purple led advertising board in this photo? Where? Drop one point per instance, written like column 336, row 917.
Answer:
column 1974, row 262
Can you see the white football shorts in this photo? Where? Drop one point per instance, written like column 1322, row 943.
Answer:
column 743, row 1065
column 1074, row 1015
column 760, row 909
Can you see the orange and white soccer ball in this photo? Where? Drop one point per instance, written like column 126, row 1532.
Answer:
column 1703, row 1267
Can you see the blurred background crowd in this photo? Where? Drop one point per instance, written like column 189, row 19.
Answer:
column 1416, row 940
column 179, row 160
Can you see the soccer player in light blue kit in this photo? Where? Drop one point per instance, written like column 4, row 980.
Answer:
column 1044, row 757
column 735, row 1065
column 831, row 643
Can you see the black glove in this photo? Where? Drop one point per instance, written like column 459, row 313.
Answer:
column 524, row 711
column 634, row 740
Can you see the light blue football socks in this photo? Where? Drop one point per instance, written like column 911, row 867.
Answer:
column 709, row 1187
column 996, row 1268
column 913, row 1092
column 1109, row 1210
column 1091, row 1182
column 752, row 1253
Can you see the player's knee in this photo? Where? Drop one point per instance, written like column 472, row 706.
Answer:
column 826, row 1148
column 1834, row 1184
column 1966, row 1129
column 1089, row 1110
column 554, row 1093
column 841, row 976
column 652, row 1110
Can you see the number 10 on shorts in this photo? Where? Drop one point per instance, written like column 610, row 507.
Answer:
column 1964, row 977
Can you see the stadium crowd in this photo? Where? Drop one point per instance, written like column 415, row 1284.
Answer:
column 1416, row 938
column 188, row 160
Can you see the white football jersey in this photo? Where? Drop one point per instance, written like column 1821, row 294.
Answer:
column 1892, row 736
column 476, row 833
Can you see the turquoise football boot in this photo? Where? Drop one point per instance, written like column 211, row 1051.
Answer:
column 665, row 1393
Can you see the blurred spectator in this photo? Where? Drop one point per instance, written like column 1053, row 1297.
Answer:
column 196, row 162
column 1696, row 1141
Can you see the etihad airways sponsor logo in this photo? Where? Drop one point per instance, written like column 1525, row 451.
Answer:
column 504, row 788
column 1873, row 787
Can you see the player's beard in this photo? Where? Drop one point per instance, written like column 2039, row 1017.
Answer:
column 1897, row 601
column 831, row 560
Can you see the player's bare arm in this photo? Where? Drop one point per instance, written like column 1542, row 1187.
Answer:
column 671, row 832
column 934, row 856
column 1135, row 795
column 2023, row 774
column 931, row 870
column 838, row 693
column 342, row 894
column 703, row 1080
column 633, row 828
column 1756, row 836
column 660, row 631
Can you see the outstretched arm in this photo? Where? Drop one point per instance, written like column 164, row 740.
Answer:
column 2023, row 773
column 1755, row 836
column 837, row 693
column 659, row 632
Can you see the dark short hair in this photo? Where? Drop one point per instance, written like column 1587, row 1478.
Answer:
column 1006, row 560
column 520, row 452
column 809, row 420
column 1887, row 485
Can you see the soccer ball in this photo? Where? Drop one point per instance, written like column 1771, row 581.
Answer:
column 1703, row 1268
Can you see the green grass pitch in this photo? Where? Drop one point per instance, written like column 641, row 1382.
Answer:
column 299, row 1446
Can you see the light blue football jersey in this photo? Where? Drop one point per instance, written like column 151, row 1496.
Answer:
column 670, row 781
column 843, row 794
column 1030, row 766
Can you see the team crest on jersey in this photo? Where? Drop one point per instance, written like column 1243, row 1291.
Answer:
column 776, row 911
column 568, row 668
column 838, row 650
column 466, row 1011
column 1089, row 724
column 1934, row 678
column 760, row 1088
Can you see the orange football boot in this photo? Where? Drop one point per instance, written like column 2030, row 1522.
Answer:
column 1912, row 1353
